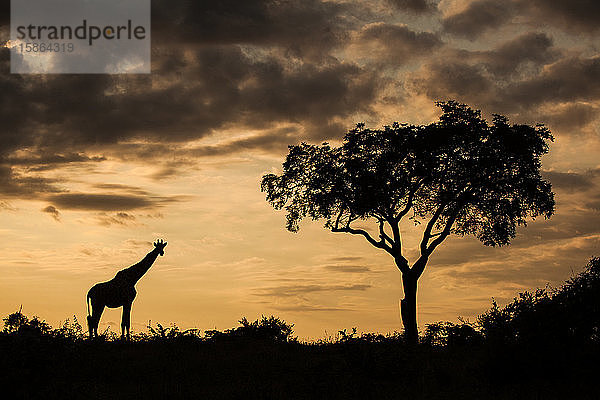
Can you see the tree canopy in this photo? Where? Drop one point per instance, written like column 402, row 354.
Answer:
column 462, row 174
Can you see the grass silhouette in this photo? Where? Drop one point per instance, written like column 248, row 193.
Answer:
column 543, row 345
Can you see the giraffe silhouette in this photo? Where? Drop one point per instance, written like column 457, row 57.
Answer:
column 120, row 291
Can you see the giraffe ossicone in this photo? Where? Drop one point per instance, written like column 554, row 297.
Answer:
column 120, row 291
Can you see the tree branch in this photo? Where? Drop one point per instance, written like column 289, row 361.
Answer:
column 384, row 236
column 409, row 201
column 427, row 233
column 381, row 244
column 443, row 234
column 461, row 200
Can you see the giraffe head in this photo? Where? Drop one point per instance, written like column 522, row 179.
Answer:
column 160, row 246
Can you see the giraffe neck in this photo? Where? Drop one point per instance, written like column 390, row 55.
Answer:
column 135, row 272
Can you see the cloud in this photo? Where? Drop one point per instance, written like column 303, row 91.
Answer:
column 15, row 184
column 525, row 76
column 120, row 218
column 527, row 267
column 217, row 87
column 53, row 212
column 106, row 202
column 138, row 243
column 575, row 16
column 566, row 80
column 569, row 182
column 347, row 268
column 275, row 140
column 570, row 118
column 285, row 71
column 308, row 28
column 478, row 16
column 298, row 290
column 394, row 44
column 534, row 48
column 416, row 6
column 346, row 258
column 130, row 189
column 308, row 308
column 453, row 78
column 49, row 161
column 5, row 206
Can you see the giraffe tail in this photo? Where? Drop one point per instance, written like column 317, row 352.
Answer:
column 88, row 304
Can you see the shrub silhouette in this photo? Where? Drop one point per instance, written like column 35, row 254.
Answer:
column 449, row 334
column 569, row 315
column 266, row 329
column 18, row 323
column 162, row 333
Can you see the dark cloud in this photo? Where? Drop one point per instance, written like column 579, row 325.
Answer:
column 530, row 48
column 127, row 117
column 220, row 87
column 306, row 28
column 564, row 81
column 106, row 202
column 416, row 6
column 570, row 118
column 479, row 16
column 455, row 79
column 216, row 65
column 572, row 15
column 274, row 68
column 569, row 182
column 396, row 44
column 53, row 212
column 51, row 160
column 516, row 78
column 478, row 77
column 16, row 184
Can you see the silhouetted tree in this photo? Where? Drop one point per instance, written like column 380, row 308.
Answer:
column 460, row 174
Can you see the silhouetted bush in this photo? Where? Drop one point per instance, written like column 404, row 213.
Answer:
column 569, row 315
column 449, row 334
column 268, row 329
column 161, row 333
column 18, row 324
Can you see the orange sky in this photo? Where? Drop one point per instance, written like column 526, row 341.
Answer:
column 95, row 168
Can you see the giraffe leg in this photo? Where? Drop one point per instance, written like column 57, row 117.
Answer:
column 97, row 310
column 90, row 326
column 126, row 319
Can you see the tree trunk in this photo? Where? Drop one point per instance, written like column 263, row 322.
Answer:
column 408, row 308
